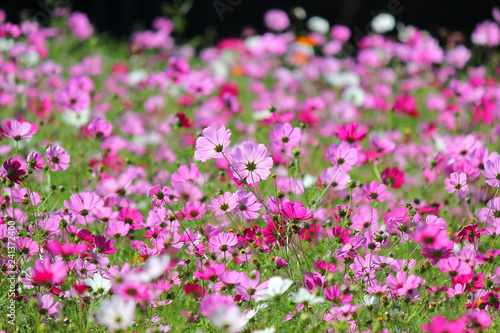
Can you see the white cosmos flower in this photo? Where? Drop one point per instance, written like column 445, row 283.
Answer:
column 116, row 313
column 304, row 296
column 355, row 95
column 98, row 284
column 70, row 117
column 136, row 76
column 318, row 24
column 153, row 269
column 229, row 319
column 309, row 180
column 266, row 330
column 252, row 312
column 369, row 300
column 343, row 79
column 276, row 287
column 383, row 22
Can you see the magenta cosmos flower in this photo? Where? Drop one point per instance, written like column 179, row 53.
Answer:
column 14, row 171
column 18, row 130
column 58, row 158
column 212, row 144
column 250, row 162
column 375, row 191
column 456, row 182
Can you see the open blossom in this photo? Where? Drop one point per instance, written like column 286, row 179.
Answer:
column 100, row 128
column 393, row 177
column 343, row 156
column 276, row 19
column 247, row 205
column 18, row 130
column 58, row 158
column 401, row 284
column 212, row 144
column 276, row 286
column 223, row 203
column 35, row 161
column 46, row 304
column 116, row 313
column 453, row 267
column 285, row 135
column 250, row 162
column 492, row 172
column 13, row 170
column 375, row 191
column 456, row 182
column 351, row 133
column 83, row 203
column 222, row 242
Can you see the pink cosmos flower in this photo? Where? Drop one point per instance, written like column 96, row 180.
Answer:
column 83, row 203
column 337, row 178
column 194, row 210
column 249, row 286
column 375, row 191
column 18, row 130
column 492, row 172
column 27, row 246
column 401, row 284
column 46, row 304
column 276, row 20
column 116, row 229
column 212, row 144
column 247, row 205
column 250, row 162
column 58, row 158
column 35, row 161
column 177, row 69
column 80, row 25
column 13, row 171
column 72, row 98
column 185, row 174
column 486, row 34
column 479, row 320
column 285, row 135
column 100, row 128
column 222, row 242
column 223, row 203
column 210, row 273
column 343, row 156
column 160, row 196
column 453, row 267
column 456, row 182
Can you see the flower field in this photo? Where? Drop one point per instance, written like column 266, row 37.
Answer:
column 284, row 182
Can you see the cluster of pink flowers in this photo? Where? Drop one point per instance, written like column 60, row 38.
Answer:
column 268, row 183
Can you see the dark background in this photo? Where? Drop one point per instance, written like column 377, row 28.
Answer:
column 121, row 17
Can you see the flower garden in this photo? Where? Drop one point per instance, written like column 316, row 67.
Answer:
column 290, row 181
